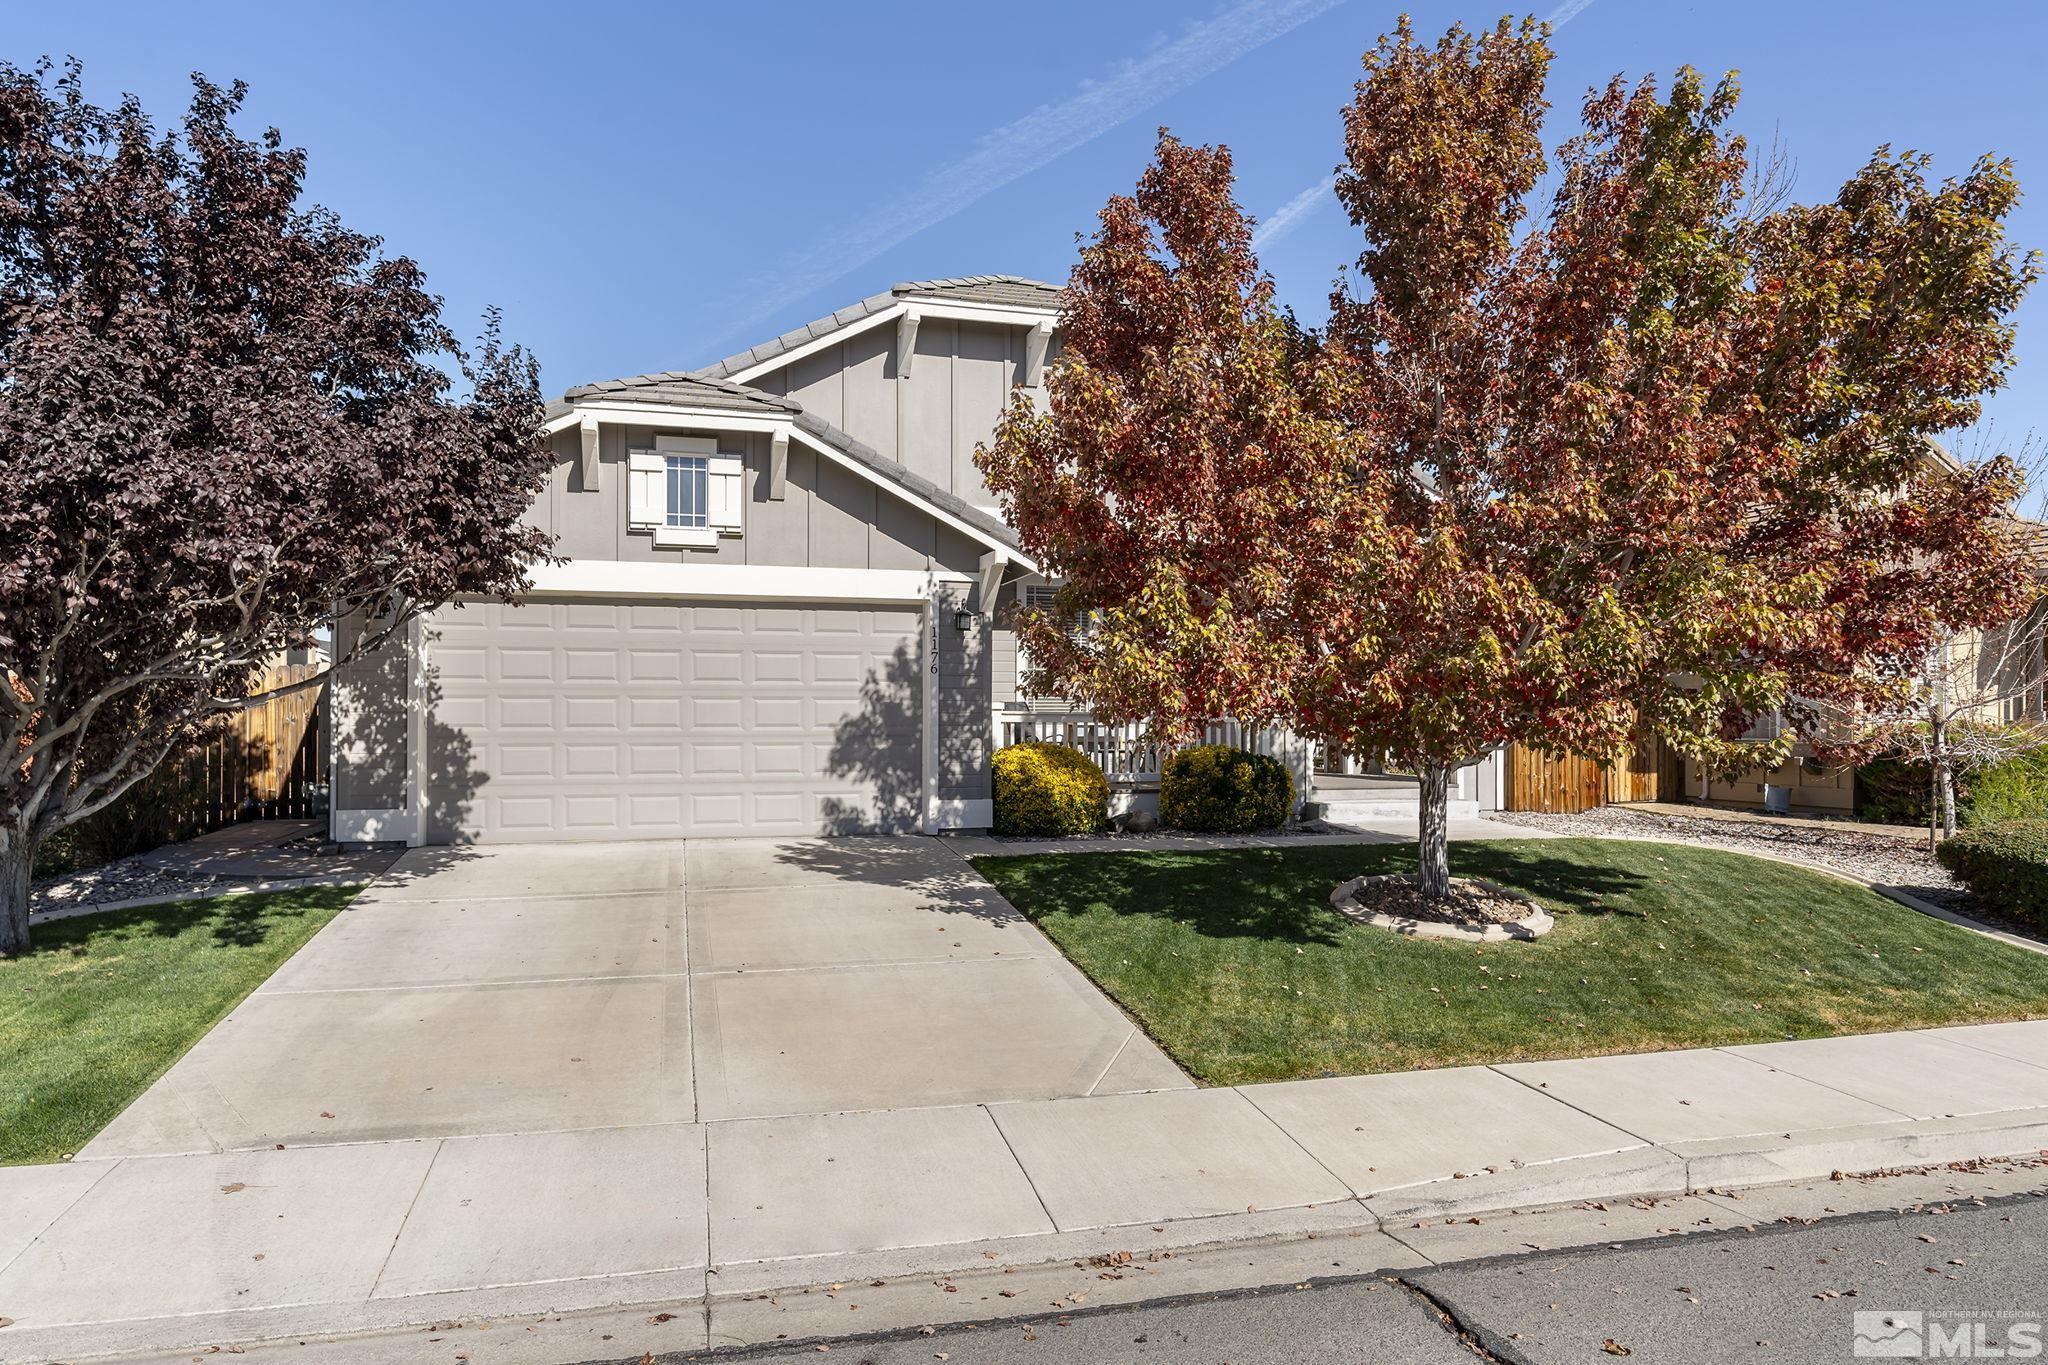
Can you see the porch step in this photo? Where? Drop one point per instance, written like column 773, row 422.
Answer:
column 1368, row 808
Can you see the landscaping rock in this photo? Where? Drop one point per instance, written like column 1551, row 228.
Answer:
column 1901, row 862
column 1138, row 822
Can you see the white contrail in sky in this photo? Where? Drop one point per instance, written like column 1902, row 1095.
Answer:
column 1035, row 140
column 1285, row 218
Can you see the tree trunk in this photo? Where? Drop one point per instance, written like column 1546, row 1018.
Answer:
column 17, row 865
column 1944, row 778
column 1433, row 857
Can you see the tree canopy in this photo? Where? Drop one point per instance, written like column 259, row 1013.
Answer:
column 1651, row 457
column 225, row 417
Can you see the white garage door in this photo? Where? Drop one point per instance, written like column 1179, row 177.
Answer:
column 611, row 720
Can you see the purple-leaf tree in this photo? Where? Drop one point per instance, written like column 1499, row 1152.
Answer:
column 225, row 418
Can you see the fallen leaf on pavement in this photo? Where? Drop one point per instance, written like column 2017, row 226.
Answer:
column 1615, row 1348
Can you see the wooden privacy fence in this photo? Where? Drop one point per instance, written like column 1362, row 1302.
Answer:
column 1128, row 759
column 1568, row 785
column 266, row 761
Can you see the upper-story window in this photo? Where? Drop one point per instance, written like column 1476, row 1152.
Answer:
column 685, row 491
column 688, row 488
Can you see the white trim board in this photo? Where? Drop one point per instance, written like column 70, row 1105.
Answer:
column 626, row 413
column 965, row 813
column 887, row 484
column 371, row 826
column 1009, row 316
column 757, row 582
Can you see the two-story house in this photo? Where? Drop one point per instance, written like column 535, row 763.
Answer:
column 776, row 614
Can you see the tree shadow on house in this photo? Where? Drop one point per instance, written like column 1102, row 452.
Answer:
column 879, row 746
column 377, row 771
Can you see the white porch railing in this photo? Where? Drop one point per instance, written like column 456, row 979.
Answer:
column 1130, row 760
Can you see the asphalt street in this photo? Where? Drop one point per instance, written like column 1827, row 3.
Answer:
column 1978, row 1276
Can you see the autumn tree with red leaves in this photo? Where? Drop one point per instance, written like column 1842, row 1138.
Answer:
column 223, row 418
column 1651, row 461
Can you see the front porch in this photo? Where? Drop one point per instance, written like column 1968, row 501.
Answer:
column 1337, row 788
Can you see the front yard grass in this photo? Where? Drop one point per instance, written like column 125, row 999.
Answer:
column 1235, row 962
column 103, row 1004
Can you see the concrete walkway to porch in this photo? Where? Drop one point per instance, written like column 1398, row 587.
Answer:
column 494, row 1090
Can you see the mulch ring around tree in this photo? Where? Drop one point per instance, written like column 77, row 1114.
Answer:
column 1476, row 909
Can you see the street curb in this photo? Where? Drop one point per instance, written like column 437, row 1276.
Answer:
column 690, row 1298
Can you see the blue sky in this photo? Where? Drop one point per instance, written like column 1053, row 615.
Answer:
column 647, row 187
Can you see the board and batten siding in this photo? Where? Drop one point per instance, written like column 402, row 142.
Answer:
column 828, row 517
column 929, row 421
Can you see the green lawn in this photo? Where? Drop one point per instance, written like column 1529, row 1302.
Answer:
column 105, row 1003
column 1236, row 963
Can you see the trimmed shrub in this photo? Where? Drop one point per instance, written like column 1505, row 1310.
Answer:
column 1048, row 789
column 2016, row 789
column 2006, row 864
column 1892, row 791
column 1215, row 789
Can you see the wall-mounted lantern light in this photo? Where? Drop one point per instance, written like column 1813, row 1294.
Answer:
column 964, row 620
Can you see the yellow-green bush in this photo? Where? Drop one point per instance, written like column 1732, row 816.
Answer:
column 1047, row 789
column 1216, row 789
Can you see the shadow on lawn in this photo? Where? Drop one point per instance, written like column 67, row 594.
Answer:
column 241, row 921
column 1577, row 888
column 1283, row 895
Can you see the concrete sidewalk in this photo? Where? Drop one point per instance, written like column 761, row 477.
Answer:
column 156, row 1252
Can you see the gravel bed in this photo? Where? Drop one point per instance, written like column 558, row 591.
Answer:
column 123, row 879
column 1890, row 861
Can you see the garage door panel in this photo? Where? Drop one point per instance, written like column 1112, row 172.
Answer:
column 609, row 720
column 514, row 713
column 589, row 616
column 712, row 664
column 654, row 665
column 654, row 760
column 592, row 713
column 717, row 713
column 655, row 815
column 523, row 814
column 593, row 760
column 590, row 665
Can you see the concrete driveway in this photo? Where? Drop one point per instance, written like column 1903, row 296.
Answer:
column 533, row 988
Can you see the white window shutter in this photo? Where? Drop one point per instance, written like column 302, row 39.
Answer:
column 728, row 493
column 646, row 488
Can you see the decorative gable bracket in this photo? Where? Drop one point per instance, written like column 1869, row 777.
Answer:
column 1036, row 341
column 778, row 465
column 992, row 565
column 587, row 429
column 906, row 340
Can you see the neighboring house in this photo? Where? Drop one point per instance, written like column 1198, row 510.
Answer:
column 777, row 614
column 1997, row 677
